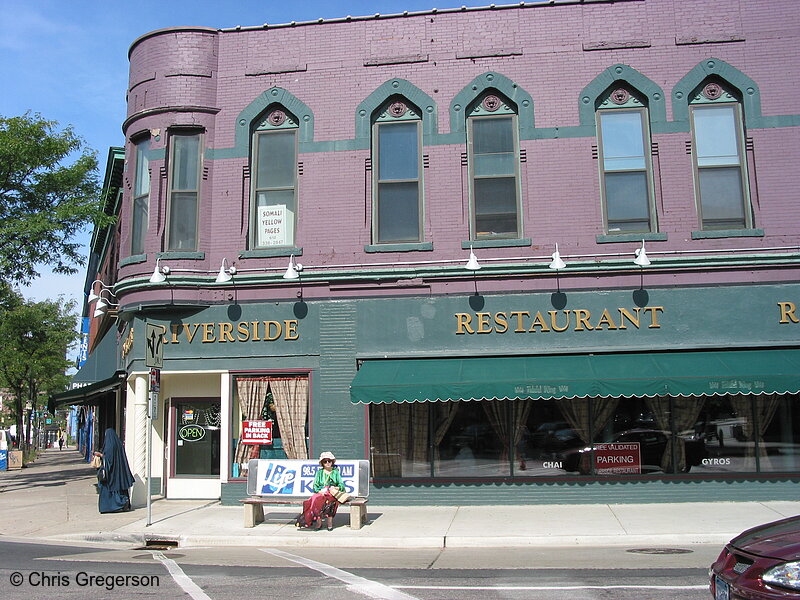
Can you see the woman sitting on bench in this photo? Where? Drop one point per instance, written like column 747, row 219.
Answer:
column 327, row 482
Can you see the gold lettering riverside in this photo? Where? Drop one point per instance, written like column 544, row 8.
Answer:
column 244, row 331
column 579, row 319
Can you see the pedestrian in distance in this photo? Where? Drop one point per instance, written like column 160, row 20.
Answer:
column 61, row 442
column 114, row 477
column 327, row 486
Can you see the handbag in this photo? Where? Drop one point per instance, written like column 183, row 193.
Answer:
column 341, row 496
column 102, row 473
column 96, row 462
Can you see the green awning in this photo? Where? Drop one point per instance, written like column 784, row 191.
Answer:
column 583, row 376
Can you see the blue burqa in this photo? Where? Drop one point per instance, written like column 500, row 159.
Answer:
column 114, row 490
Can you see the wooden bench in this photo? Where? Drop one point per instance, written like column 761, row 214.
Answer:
column 254, row 509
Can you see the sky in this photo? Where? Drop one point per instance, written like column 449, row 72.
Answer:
column 68, row 61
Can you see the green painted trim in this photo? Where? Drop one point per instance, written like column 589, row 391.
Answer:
column 157, row 154
column 510, row 243
column 133, row 259
column 726, row 233
column 248, row 116
column 746, row 87
column 631, row 237
column 501, row 83
column 181, row 255
column 411, row 247
column 656, row 100
column 271, row 252
column 395, row 87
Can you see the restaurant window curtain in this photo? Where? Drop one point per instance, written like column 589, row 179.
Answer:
column 291, row 406
column 765, row 407
column 685, row 411
column 388, row 427
column 496, row 414
column 252, row 391
column 577, row 413
column 445, row 414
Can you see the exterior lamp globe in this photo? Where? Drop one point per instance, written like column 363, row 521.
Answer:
column 641, row 257
column 557, row 264
column 472, row 263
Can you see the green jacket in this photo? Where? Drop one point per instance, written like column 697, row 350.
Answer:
column 323, row 479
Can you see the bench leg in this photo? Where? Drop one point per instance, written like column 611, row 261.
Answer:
column 253, row 514
column 358, row 515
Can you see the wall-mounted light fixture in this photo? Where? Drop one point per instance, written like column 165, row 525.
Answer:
column 159, row 273
column 293, row 270
column 102, row 303
column 472, row 263
column 641, row 257
column 557, row 264
column 225, row 274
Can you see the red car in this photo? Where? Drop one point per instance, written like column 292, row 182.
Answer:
column 762, row 563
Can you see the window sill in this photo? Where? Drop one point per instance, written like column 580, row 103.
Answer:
column 181, row 255
column 407, row 247
column 496, row 243
column 271, row 252
column 133, row 259
column 630, row 237
column 726, row 233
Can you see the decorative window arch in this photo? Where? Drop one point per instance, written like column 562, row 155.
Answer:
column 493, row 155
column 397, row 172
column 626, row 173
column 273, row 177
column 719, row 160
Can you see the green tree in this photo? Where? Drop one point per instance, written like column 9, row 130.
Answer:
column 33, row 361
column 44, row 201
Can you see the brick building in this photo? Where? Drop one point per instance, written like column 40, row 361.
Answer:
column 549, row 250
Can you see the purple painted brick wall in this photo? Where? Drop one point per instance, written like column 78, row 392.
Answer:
column 206, row 78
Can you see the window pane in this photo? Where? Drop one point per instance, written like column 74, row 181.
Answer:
column 492, row 135
column 197, row 443
column 185, row 161
column 400, row 439
column 715, row 135
column 721, row 197
column 471, row 439
column 138, row 225
column 272, row 197
column 779, row 419
column 495, row 195
column 398, row 152
column 276, row 159
column 142, row 183
column 398, row 212
column 627, row 204
column 183, row 221
column 726, row 424
column 494, row 164
column 623, row 141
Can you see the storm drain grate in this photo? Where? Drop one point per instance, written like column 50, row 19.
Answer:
column 659, row 551
column 159, row 544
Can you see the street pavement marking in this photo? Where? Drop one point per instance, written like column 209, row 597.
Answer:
column 356, row 584
column 545, row 588
column 181, row 578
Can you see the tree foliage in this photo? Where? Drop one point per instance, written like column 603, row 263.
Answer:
column 33, row 361
column 44, row 201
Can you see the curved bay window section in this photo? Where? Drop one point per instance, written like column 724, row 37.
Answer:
column 493, row 148
column 269, row 419
column 625, row 163
column 184, row 189
column 397, row 169
column 274, row 179
column 141, row 196
column 591, row 437
column 720, row 168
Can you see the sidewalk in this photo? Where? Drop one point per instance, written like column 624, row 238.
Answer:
column 55, row 499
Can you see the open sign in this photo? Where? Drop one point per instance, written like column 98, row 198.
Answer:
column 191, row 433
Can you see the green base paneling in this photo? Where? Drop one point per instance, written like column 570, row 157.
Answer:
column 651, row 491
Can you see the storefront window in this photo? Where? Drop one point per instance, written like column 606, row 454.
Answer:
column 594, row 437
column 197, row 437
column 270, row 420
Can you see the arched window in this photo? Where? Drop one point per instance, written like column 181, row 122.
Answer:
column 718, row 154
column 493, row 150
column 273, row 176
column 626, row 179
column 397, row 172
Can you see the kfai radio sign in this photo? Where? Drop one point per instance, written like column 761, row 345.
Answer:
column 256, row 432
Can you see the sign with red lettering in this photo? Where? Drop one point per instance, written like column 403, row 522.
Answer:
column 620, row 458
column 256, row 432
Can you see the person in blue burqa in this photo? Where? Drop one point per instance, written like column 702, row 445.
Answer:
column 114, row 484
